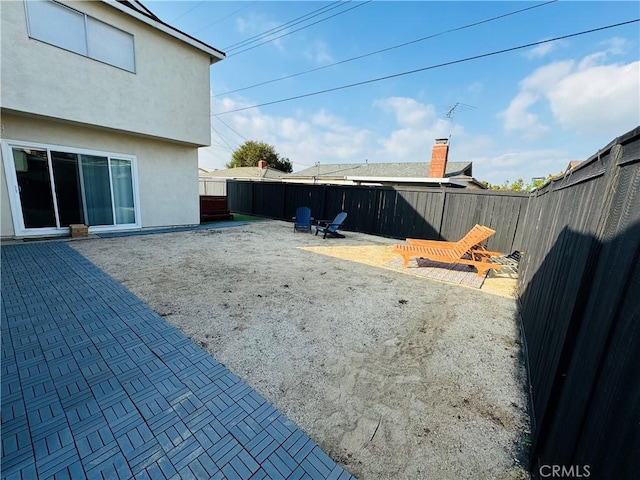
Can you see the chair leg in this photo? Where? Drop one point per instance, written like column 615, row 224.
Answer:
column 482, row 268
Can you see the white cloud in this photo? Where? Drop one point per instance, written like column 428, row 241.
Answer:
column 514, row 164
column 420, row 126
column 598, row 99
column 585, row 97
column 252, row 25
column 318, row 52
column 615, row 45
column 305, row 140
column 517, row 117
column 322, row 136
column 542, row 50
column 544, row 78
column 476, row 88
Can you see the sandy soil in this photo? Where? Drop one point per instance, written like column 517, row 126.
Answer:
column 394, row 376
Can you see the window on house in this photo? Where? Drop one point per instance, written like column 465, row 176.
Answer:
column 63, row 27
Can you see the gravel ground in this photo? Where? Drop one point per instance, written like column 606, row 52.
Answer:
column 394, row 376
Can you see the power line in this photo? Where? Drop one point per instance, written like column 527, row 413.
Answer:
column 387, row 49
column 224, row 139
column 431, row 67
column 230, row 128
column 188, row 11
column 301, row 28
column 224, row 18
column 279, row 28
column 216, row 144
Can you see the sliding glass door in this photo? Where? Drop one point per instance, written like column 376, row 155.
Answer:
column 34, row 187
column 56, row 187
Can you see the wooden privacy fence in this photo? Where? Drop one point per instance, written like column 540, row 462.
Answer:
column 429, row 213
column 579, row 295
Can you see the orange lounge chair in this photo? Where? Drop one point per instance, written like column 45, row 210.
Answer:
column 468, row 250
column 473, row 239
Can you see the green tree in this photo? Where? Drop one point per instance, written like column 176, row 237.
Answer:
column 251, row 152
column 517, row 185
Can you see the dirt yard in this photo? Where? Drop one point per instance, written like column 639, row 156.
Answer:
column 396, row 377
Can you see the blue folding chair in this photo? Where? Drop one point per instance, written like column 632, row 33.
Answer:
column 331, row 229
column 302, row 220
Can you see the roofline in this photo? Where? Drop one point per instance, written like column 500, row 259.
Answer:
column 215, row 55
column 378, row 180
column 407, row 180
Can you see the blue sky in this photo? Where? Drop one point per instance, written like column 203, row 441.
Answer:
column 533, row 110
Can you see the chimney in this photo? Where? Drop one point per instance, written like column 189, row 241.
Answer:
column 262, row 164
column 439, row 156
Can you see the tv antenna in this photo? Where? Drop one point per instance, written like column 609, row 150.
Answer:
column 458, row 107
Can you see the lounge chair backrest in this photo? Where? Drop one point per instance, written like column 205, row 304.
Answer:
column 337, row 222
column 476, row 235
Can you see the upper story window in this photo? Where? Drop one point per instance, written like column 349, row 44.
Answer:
column 59, row 25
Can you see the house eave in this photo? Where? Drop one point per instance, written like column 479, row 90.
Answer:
column 215, row 55
column 412, row 180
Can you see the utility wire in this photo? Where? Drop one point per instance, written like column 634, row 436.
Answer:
column 223, row 138
column 230, row 128
column 279, row 28
column 386, row 49
column 224, row 18
column 431, row 67
column 216, row 144
column 188, row 11
column 301, row 28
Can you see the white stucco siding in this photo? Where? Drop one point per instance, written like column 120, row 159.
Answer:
column 167, row 172
column 167, row 96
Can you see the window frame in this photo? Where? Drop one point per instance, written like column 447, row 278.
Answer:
column 86, row 36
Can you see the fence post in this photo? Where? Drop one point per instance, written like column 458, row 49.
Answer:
column 443, row 194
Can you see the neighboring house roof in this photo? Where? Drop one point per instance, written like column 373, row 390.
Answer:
column 251, row 173
column 137, row 10
column 409, row 169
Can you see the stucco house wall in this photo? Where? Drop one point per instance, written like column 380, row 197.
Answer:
column 166, row 97
column 158, row 114
column 167, row 171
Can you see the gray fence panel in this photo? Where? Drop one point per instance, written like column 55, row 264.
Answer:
column 500, row 211
column 311, row 196
column 423, row 213
column 268, row 199
column 578, row 291
column 240, row 196
column 387, row 200
column 360, row 204
column 334, row 204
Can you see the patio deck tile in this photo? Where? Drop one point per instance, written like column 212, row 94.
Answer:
column 97, row 385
